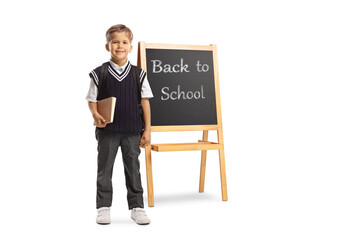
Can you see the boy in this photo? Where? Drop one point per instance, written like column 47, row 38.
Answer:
column 126, row 127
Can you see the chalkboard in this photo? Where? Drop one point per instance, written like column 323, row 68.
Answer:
column 182, row 82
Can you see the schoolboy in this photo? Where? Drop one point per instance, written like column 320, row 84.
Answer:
column 125, row 130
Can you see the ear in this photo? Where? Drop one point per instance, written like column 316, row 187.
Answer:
column 107, row 47
column 130, row 48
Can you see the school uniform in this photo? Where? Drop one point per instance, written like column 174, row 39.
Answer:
column 124, row 132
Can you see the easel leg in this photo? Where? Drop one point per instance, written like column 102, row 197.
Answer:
column 223, row 175
column 203, row 164
column 149, row 176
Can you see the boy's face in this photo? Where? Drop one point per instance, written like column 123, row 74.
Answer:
column 119, row 47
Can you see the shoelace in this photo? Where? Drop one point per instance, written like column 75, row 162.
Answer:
column 140, row 211
column 102, row 212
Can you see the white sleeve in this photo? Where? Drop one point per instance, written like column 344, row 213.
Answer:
column 92, row 93
column 146, row 90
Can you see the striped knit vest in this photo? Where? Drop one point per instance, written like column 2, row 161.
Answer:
column 126, row 118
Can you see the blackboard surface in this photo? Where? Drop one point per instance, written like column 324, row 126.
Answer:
column 182, row 82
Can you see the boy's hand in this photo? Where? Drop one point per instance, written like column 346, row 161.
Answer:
column 99, row 121
column 145, row 138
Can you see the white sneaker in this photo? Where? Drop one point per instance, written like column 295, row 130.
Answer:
column 103, row 216
column 139, row 215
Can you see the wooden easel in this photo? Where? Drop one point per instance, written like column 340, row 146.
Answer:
column 203, row 144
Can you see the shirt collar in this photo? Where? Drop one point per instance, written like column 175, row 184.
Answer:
column 117, row 67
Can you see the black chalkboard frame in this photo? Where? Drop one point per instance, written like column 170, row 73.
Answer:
column 142, row 64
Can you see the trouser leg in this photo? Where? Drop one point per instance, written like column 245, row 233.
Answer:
column 130, row 151
column 108, row 144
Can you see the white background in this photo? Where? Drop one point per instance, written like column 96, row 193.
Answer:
column 289, row 77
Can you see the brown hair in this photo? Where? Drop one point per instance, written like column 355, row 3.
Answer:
column 118, row 28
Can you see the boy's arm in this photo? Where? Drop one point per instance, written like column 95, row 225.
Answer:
column 99, row 121
column 146, row 137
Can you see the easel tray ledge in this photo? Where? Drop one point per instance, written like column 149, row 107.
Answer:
column 168, row 147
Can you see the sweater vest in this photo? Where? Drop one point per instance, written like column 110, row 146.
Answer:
column 126, row 117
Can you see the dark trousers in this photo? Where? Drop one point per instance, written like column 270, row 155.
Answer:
column 108, row 144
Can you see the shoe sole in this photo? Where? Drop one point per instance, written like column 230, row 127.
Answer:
column 143, row 223
column 103, row 223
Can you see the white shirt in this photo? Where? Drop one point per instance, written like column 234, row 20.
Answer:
column 93, row 90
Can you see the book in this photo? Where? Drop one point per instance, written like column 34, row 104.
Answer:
column 106, row 108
